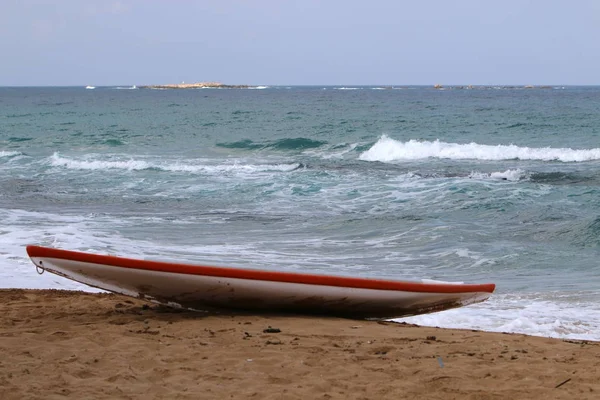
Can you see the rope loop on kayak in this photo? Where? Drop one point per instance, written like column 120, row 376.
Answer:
column 40, row 269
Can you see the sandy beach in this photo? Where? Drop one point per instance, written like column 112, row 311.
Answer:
column 58, row 344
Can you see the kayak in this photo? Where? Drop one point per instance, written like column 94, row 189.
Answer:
column 202, row 287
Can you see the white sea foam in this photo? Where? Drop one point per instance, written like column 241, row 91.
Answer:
column 329, row 152
column 437, row 282
column 21, row 228
column 389, row 150
column 508, row 175
column 229, row 168
column 533, row 314
column 9, row 153
column 131, row 165
column 191, row 166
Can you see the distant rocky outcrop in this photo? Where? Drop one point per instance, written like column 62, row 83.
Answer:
column 197, row 85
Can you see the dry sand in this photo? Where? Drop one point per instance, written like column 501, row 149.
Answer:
column 60, row 344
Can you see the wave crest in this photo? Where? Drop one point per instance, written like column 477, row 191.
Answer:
column 176, row 166
column 388, row 150
column 9, row 153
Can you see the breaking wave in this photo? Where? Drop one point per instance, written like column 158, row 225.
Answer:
column 387, row 149
column 193, row 167
column 9, row 153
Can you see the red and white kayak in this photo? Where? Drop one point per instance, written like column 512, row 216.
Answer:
column 202, row 287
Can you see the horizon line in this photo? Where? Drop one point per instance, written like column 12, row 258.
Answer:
column 331, row 84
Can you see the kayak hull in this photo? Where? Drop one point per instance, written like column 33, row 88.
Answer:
column 209, row 288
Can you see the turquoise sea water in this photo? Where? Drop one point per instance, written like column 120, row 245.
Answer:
column 490, row 184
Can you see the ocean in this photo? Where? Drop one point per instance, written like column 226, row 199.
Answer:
column 487, row 184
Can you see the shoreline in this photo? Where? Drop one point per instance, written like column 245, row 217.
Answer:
column 90, row 345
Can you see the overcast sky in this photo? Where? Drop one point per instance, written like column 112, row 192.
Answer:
column 303, row 42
